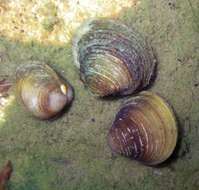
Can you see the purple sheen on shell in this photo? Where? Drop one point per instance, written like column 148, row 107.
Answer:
column 113, row 58
column 144, row 129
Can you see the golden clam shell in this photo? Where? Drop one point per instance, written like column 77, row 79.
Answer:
column 144, row 129
column 41, row 90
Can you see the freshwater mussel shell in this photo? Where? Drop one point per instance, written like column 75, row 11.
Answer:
column 113, row 58
column 144, row 129
column 41, row 90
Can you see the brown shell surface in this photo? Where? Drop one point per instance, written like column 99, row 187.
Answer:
column 41, row 90
column 144, row 129
column 113, row 58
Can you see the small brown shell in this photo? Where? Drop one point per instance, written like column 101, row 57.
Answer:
column 144, row 129
column 41, row 90
column 5, row 175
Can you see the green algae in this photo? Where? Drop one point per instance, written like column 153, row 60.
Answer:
column 71, row 152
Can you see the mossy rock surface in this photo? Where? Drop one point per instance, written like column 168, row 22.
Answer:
column 71, row 152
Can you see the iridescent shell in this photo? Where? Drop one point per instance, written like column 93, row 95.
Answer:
column 113, row 58
column 41, row 90
column 144, row 129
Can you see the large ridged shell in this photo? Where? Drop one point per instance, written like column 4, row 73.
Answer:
column 113, row 58
column 41, row 90
column 144, row 129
